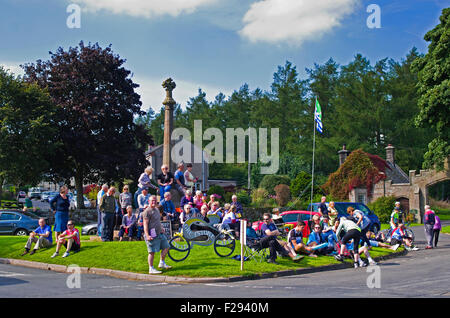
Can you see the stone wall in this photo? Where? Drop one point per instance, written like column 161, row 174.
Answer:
column 86, row 216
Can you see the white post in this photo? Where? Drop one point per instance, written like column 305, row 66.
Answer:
column 314, row 148
column 243, row 236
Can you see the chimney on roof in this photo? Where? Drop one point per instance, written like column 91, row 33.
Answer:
column 390, row 154
column 343, row 154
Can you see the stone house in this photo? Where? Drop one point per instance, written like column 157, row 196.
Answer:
column 411, row 189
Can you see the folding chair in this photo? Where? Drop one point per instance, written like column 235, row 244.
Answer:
column 253, row 250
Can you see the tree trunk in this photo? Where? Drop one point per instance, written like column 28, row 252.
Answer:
column 79, row 187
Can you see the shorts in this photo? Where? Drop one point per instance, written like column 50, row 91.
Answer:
column 157, row 244
column 373, row 243
column 75, row 247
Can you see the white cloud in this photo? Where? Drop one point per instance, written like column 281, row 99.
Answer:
column 294, row 21
column 153, row 94
column 144, row 8
column 13, row 67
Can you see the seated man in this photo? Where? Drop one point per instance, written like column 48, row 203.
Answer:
column 317, row 242
column 70, row 238
column 128, row 226
column 295, row 238
column 399, row 236
column 188, row 212
column 169, row 208
column 269, row 233
column 42, row 236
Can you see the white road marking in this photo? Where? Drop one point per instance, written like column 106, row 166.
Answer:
column 10, row 274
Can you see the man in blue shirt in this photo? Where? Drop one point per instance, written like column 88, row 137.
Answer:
column 42, row 236
column 169, row 209
column 269, row 233
column 180, row 183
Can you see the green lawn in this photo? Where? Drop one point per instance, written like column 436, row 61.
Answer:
column 132, row 257
column 446, row 229
column 444, row 214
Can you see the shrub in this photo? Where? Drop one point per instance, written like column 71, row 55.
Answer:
column 269, row 182
column 360, row 169
column 283, row 194
column 215, row 189
column 243, row 198
column 383, row 207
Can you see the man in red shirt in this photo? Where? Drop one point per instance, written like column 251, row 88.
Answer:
column 70, row 238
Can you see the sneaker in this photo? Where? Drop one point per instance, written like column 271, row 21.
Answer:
column 339, row 258
column 66, row 254
column 25, row 252
column 55, row 254
column 163, row 265
column 297, row 258
column 395, row 247
column 153, row 270
column 372, row 262
column 415, row 248
column 355, row 265
column 428, row 247
column 32, row 252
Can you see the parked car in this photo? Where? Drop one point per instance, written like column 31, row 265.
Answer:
column 288, row 220
column 17, row 222
column 47, row 195
column 291, row 218
column 34, row 193
column 341, row 207
column 21, row 196
column 90, row 229
column 73, row 202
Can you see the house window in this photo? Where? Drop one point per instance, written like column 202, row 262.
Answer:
column 361, row 198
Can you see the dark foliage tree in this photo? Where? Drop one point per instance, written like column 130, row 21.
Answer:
column 97, row 104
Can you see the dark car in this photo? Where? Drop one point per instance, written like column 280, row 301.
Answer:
column 17, row 222
column 341, row 207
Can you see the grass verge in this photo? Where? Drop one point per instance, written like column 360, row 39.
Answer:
column 132, row 257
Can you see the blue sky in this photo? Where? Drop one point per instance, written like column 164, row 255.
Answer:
column 217, row 45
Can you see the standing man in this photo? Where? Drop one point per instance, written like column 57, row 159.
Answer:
column 108, row 207
column 42, row 236
column 323, row 210
column 180, row 183
column 396, row 216
column 100, row 194
column 429, row 221
column 154, row 236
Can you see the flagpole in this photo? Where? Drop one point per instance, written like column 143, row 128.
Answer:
column 314, row 148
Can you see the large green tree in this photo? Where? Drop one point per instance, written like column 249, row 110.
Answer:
column 434, row 90
column 97, row 104
column 27, row 130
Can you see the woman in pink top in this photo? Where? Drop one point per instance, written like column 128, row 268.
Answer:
column 436, row 229
column 198, row 200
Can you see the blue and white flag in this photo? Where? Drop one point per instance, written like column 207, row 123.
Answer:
column 318, row 117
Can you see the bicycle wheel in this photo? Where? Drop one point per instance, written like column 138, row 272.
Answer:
column 224, row 244
column 410, row 234
column 179, row 249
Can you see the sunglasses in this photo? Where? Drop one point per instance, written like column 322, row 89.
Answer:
column 266, row 219
column 69, row 224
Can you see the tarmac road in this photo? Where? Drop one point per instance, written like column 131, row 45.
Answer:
column 423, row 273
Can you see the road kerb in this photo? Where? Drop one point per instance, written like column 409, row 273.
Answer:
column 187, row 280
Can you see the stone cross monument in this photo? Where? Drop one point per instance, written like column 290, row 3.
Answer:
column 169, row 85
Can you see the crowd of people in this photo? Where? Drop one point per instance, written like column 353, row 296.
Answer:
column 329, row 234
